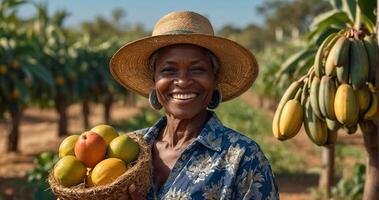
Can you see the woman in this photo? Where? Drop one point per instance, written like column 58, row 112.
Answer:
column 187, row 70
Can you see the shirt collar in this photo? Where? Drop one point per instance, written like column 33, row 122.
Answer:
column 210, row 136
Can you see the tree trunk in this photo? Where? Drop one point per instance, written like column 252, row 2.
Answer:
column 371, row 142
column 371, row 189
column 86, row 111
column 108, row 101
column 326, row 180
column 61, row 107
column 13, row 136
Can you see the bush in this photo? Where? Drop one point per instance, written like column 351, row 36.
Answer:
column 36, row 178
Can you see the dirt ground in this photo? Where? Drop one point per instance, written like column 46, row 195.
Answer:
column 38, row 134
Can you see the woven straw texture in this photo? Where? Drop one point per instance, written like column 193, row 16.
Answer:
column 139, row 174
column 239, row 68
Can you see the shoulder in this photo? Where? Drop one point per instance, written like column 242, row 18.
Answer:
column 233, row 138
column 250, row 152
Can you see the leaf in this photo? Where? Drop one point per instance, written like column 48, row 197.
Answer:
column 318, row 37
column 367, row 9
column 337, row 4
column 368, row 24
column 41, row 73
column 333, row 17
column 350, row 7
column 24, row 94
column 290, row 65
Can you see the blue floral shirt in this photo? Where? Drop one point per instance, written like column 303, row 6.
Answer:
column 220, row 164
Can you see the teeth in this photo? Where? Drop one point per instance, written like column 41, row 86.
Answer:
column 184, row 96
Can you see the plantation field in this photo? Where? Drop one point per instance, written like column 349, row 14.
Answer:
column 296, row 163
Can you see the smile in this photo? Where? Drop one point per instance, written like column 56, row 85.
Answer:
column 184, row 96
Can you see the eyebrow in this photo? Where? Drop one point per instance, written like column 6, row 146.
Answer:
column 192, row 62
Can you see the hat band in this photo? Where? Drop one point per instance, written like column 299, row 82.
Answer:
column 176, row 32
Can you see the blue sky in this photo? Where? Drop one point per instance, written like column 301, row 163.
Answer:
column 220, row 12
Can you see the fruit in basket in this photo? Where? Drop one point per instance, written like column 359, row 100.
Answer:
column 107, row 132
column 67, row 147
column 107, row 171
column 124, row 148
column 69, row 171
column 90, row 148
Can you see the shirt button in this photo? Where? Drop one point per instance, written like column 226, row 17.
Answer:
column 184, row 157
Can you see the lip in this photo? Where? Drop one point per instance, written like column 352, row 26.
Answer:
column 183, row 97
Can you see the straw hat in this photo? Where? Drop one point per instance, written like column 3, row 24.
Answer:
column 238, row 66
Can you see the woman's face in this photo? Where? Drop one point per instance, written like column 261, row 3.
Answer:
column 184, row 80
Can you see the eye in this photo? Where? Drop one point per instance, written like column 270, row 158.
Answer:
column 198, row 69
column 167, row 70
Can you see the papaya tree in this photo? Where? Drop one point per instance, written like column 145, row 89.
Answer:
column 356, row 16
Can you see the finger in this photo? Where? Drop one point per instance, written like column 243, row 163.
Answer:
column 134, row 193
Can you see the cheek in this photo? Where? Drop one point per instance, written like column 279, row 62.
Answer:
column 161, row 85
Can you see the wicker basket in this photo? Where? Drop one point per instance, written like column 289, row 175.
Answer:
column 139, row 174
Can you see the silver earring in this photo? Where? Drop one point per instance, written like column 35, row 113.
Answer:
column 216, row 99
column 153, row 100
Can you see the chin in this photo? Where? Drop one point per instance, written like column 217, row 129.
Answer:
column 185, row 113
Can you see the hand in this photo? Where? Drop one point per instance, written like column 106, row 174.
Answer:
column 134, row 193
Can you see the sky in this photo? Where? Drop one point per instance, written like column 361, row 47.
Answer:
column 239, row 13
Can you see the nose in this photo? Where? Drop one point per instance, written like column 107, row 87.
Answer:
column 183, row 80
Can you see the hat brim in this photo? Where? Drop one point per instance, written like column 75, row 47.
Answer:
column 238, row 66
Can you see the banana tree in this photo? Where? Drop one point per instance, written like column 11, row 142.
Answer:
column 357, row 14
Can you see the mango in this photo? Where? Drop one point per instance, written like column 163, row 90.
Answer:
column 107, row 171
column 124, row 148
column 67, row 147
column 69, row 171
column 107, row 132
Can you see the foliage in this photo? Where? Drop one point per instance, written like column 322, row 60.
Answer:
column 255, row 123
column 351, row 189
column 298, row 16
column 144, row 119
column 344, row 14
column 36, row 178
column 268, row 83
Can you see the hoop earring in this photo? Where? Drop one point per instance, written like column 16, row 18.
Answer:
column 216, row 99
column 153, row 100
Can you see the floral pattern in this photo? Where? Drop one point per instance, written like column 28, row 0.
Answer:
column 220, row 164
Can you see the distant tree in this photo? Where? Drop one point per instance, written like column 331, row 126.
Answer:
column 290, row 16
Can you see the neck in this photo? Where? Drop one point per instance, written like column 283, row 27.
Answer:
column 179, row 132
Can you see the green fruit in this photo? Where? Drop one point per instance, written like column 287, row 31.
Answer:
column 315, row 87
column 359, row 66
column 371, row 47
column 124, row 148
column 326, row 97
column 315, row 128
column 319, row 58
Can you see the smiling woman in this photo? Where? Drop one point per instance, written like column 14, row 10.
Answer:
column 186, row 70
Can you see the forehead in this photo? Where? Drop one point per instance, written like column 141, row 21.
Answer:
column 182, row 51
